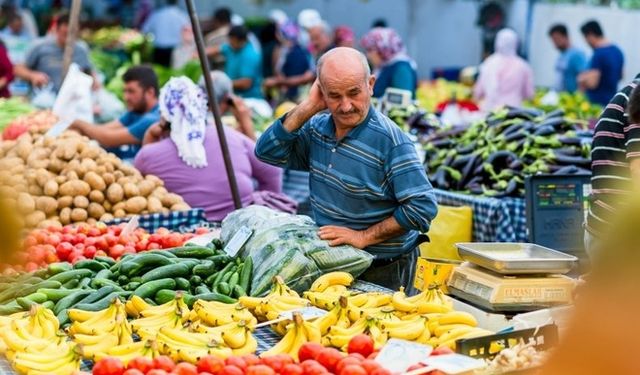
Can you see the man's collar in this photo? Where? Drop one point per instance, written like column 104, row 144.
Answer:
column 329, row 128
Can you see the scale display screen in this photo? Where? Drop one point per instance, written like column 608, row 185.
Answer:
column 559, row 195
column 394, row 98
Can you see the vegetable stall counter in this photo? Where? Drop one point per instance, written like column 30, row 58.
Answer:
column 494, row 219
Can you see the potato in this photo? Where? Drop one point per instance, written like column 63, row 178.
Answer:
column 72, row 175
column 100, row 170
column 118, row 174
column 80, row 201
column 108, row 178
column 60, row 179
column 145, row 187
column 35, row 190
column 65, row 201
column 26, row 203
column 48, row 205
column 24, row 148
column 154, row 179
column 131, row 190
column 49, row 223
column 170, row 199
column 96, row 196
column 56, row 165
column 89, row 164
column 33, row 219
column 79, row 214
column 119, row 214
column 65, row 216
column 106, row 217
column 90, row 152
column 107, row 206
column 180, row 207
column 96, row 182
column 43, row 176
column 118, row 206
column 154, row 205
column 115, row 193
column 75, row 188
column 96, row 210
column 8, row 192
column 135, row 205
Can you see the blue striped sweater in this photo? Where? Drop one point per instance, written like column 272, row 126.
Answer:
column 367, row 176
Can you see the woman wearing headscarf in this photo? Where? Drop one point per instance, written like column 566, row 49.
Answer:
column 392, row 67
column 344, row 37
column 185, row 153
column 505, row 79
column 293, row 67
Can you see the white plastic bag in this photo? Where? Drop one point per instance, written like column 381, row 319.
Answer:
column 74, row 101
column 44, row 97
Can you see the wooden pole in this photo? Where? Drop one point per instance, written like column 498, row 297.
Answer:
column 213, row 105
column 74, row 19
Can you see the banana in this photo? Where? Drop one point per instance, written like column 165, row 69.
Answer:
column 136, row 305
column 44, row 363
column 322, row 300
column 236, row 337
column 442, row 329
column 400, row 302
column 451, row 343
column 217, row 314
column 311, row 332
column 16, row 343
column 455, row 333
column 425, row 307
column 102, row 327
column 250, row 302
column 155, row 322
column 408, row 330
column 358, row 299
column 283, row 345
column 458, row 317
column 190, row 338
column 89, row 351
column 379, row 337
column 298, row 341
column 377, row 300
column 331, row 318
column 202, row 328
column 136, row 347
column 331, row 279
column 338, row 289
column 356, row 328
column 424, row 337
column 91, row 339
column 250, row 346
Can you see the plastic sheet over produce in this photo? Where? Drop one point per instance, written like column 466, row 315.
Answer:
column 289, row 246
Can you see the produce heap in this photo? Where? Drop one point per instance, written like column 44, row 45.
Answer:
column 67, row 179
column 431, row 94
column 36, row 123
column 12, row 108
column 492, row 157
column 576, row 106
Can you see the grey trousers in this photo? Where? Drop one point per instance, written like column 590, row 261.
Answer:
column 395, row 274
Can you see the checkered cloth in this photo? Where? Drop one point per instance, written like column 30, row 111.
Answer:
column 174, row 220
column 494, row 219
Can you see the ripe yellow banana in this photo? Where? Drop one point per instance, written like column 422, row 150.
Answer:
column 331, row 279
column 458, row 317
column 425, row 307
column 236, row 337
column 250, row 346
column 89, row 351
column 408, row 330
column 400, row 302
column 356, row 328
column 322, row 300
column 250, row 302
column 442, row 329
column 338, row 289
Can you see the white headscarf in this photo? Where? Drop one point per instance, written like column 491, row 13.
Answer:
column 506, row 43
column 184, row 105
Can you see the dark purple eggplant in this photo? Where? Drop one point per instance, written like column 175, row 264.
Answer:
column 501, row 159
column 510, row 190
column 555, row 113
column 466, row 149
column 516, row 136
column 467, row 170
column 442, row 143
column 523, row 113
column 572, row 170
column 460, row 161
column 579, row 161
column 569, row 151
column 545, row 130
column 516, row 165
column 570, row 141
column 476, row 189
column 555, row 122
column 584, row 133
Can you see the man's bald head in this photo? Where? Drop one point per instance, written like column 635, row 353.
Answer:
column 344, row 60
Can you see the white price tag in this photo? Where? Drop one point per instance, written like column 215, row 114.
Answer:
column 307, row 313
column 398, row 355
column 130, row 227
column 454, row 363
column 204, row 239
column 237, row 241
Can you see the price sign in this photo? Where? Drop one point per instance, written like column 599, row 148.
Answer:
column 398, row 355
column 237, row 241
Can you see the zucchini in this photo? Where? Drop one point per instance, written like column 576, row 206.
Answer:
column 192, row 252
column 202, row 289
column 135, row 265
column 70, row 275
column 70, row 300
column 165, row 295
column 168, row 271
column 56, row 295
column 101, row 304
column 59, row 267
column 10, row 308
column 245, row 275
column 238, row 292
column 182, row 283
column 223, row 288
column 90, row 264
column 106, row 260
column 150, row 288
column 214, row 297
column 32, row 299
column 99, row 294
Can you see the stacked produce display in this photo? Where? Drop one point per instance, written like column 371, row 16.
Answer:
column 12, row 108
column 492, row 157
column 575, row 105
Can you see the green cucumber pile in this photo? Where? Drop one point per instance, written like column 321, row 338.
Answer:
column 200, row 272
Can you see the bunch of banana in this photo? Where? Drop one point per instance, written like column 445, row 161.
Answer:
column 125, row 353
column 181, row 345
column 429, row 301
column 326, row 282
column 298, row 333
column 216, row 313
column 452, row 326
column 367, row 304
column 60, row 359
column 339, row 337
column 279, row 290
column 338, row 316
column 415, row 329
column 172, row 314
column 135, row 306
column 35, row 331
column 98, row 322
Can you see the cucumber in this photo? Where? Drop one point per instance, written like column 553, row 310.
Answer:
column 202, row 289
column 150, row 288
column 122, row 280
column 70, row 300
column 99, row 294
column 103, row 274
column 238, row 292
column 217, row 243
column 133, row 285
column 233, row 281
column 164, row 253
column 223, row 288
column 209, row 280
column 150, row 301
column 56, row 295
column 41, row 273
column 134, row 266
column 10, row 308
column 204, row 269
column 182, row 283
column 220, row 260
column 192, row 252
column 32, row 299
column 99, row 283
column 59, row 267
column 106, row 260
column 90, row 264
column 214, row 297
column 25, row 291
column 245, row 275
column 227, row 276
column 220, row 275
column 102, row 303
column 48, row 305
column 136, row 279
column 165, row 295
column 70, row 275
column 168, row 271
column 73, row 284
column 84, row 283
column 195, row 280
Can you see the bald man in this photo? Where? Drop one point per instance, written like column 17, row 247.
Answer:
column 368, row 187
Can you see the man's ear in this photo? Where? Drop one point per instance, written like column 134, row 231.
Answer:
column 372, row 82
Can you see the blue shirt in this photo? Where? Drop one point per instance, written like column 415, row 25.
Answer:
column 399, row 75
column 166, row 26
column 244, row 63
column 570, row 63
column 369, row 175
column 297, row 62
column 137, row 124
column 609, row 61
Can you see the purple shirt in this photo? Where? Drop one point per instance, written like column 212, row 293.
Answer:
column 208, row 187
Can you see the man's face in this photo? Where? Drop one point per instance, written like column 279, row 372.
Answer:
column 61, row 34
column 348, row 97
column 560, row 41
column 319, row 39
column 591, row 40
column 135, row 97
column 236, row 43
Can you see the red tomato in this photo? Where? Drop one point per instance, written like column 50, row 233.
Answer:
column 108, row 366
column 357, row 356
column 251, row 359
column 101, row 243
column 259, row 370
column 442, row 350
column 79, row 239
column 185, row 368
column 329, row 358
column 90, row 252
column 143, row 364
column 236, row 361
column 362, row 344
column 153, row 246
column 312, row 367
column 156, row 371
column 163, row 363
column 41, row 237
column 94, row 232
column 141, row 245
column 31, row 266
column 369, row 365
column 202, row 230
column 80, row 247
column 129, row 249
column 133, row 371
column 309, row 350
column 346, row 361
column 274, row 362
column 111, row 239
column 51, row 258
column 381, row 371
column 83, row 228
column 231, row 370
column 210, row 364
column 291, row 369
column 54, row 239
column 162, row 231
column 30, row 241
column 116, row 251
column 353, row 370
column 173, row 240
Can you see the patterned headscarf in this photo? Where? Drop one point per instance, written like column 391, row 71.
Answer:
column 184, row 105
column 344, row 34
column 385, row 41
column 289, row 30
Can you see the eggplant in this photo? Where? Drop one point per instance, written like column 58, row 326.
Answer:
column 460, row 161
column 501, row 159
column 570, row 141
column 511, row 188
column 442, row 143
column 569, row 151
column 475, row 180
column 555, row 113
column 516, row 136
column 467, row 170
column 441, row 179
column 477, row 189
column 555, row 122
column 523, row 113
column 466, row 149
column 572, row 170
column 516, row 165
column 545, row 130
column 579, row 161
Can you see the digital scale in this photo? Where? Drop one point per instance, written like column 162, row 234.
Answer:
column 393, row 98
column 512, row 277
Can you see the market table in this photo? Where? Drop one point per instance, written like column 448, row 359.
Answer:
column 494, row 219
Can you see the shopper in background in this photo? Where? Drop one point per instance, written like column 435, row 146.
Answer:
column 124, row 135
column 166, row 24
column 270, row 47
column 221, row 23
column 293, row 68
column 505, row 79
column 393, row 68
column 184, row 151
column 321, row 38
column 6, row 72
column 615, row 161
column 344, row 37
column 368, row 186
column 601, row 78
column 571, row 61
column 308, row 18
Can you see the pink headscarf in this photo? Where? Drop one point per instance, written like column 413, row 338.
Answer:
column 385, row 41
column 344, row 34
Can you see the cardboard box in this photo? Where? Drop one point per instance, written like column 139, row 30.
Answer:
column 433, row 271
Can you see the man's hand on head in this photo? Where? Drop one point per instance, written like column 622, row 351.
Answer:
column 343, row 236
column 315, row 99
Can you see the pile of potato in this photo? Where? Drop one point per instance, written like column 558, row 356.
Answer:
column 67, row 179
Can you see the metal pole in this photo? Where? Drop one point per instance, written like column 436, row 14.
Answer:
column 74, row 16
column 204, row 63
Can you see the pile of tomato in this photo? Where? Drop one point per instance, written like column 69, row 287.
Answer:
column 314, row 359
column 73, row 243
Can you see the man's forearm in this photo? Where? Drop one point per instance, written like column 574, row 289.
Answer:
column 23, row 72
column 384, row 230
column 298, row 116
